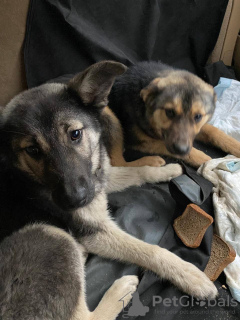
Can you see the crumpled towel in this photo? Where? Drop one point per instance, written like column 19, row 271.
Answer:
column 226, row 200
column 227, row 113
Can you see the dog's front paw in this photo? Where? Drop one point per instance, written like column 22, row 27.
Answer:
column 160, row 174
column 122, row 288
column 116, row 298
column 152, row 161
column 194, row 282
column 174, row 170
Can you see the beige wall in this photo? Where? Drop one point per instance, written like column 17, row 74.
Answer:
column 232, row 33
column 13, row 15
column 225, row 45
column 236, row 58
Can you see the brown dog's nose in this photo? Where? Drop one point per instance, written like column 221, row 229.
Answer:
column 181, row 149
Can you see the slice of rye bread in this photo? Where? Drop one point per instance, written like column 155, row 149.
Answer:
column 192, row 225
column 221, row 255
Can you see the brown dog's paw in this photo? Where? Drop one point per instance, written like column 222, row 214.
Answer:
column 160, row 174
column 196, row 158
column 152, row 161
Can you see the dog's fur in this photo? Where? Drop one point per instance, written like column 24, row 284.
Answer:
column 55, row 171
column 162, row 110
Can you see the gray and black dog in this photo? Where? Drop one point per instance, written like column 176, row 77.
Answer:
column 56, row 144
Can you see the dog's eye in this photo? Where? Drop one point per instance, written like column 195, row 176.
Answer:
column 170, row 113
column 198, row 117
column 32, row 151
column 76, row 134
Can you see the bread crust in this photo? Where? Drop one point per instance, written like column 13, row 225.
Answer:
column 213, row 270
column 198, row 228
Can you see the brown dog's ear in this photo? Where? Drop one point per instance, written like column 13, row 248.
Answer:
column 94, row 84
column 151, row 88
column 145, row 92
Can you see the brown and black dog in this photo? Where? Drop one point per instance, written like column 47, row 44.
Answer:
column 162, row 110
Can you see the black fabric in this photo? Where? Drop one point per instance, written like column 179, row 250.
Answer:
column 183, row 197
column 66, row 36
column 148, row 213
column 213, row 72
column 190, row 188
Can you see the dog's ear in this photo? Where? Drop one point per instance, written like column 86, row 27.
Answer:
column 94, row 84
column 144, row 93
column 150, row 89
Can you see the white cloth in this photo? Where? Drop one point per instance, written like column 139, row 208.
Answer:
column 227, row 113
column 226, row 200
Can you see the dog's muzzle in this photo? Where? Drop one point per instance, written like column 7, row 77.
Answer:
column 180, row 149
column 73, row 196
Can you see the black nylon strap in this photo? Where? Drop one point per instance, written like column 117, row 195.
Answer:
column 190, row 188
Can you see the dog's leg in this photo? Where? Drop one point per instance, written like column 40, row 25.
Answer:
column 210, row 134
column 110, row 305
column 44, row 278
column 115, row 135
column 195, row 158
column 112, row 242
column 42, row 269
column 121, row 178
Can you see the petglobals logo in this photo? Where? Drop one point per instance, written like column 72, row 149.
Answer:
column 186, row 301
column 137, row 309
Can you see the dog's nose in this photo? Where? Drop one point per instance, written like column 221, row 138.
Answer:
column 70, row 197
column 75, row 197
column 181, row 149
column 82, row 195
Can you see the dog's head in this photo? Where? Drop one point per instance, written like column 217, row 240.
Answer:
column 52, row 135
column 178, row 104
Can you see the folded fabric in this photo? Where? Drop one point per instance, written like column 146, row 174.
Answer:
column 226, row 201
column 227, row 113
